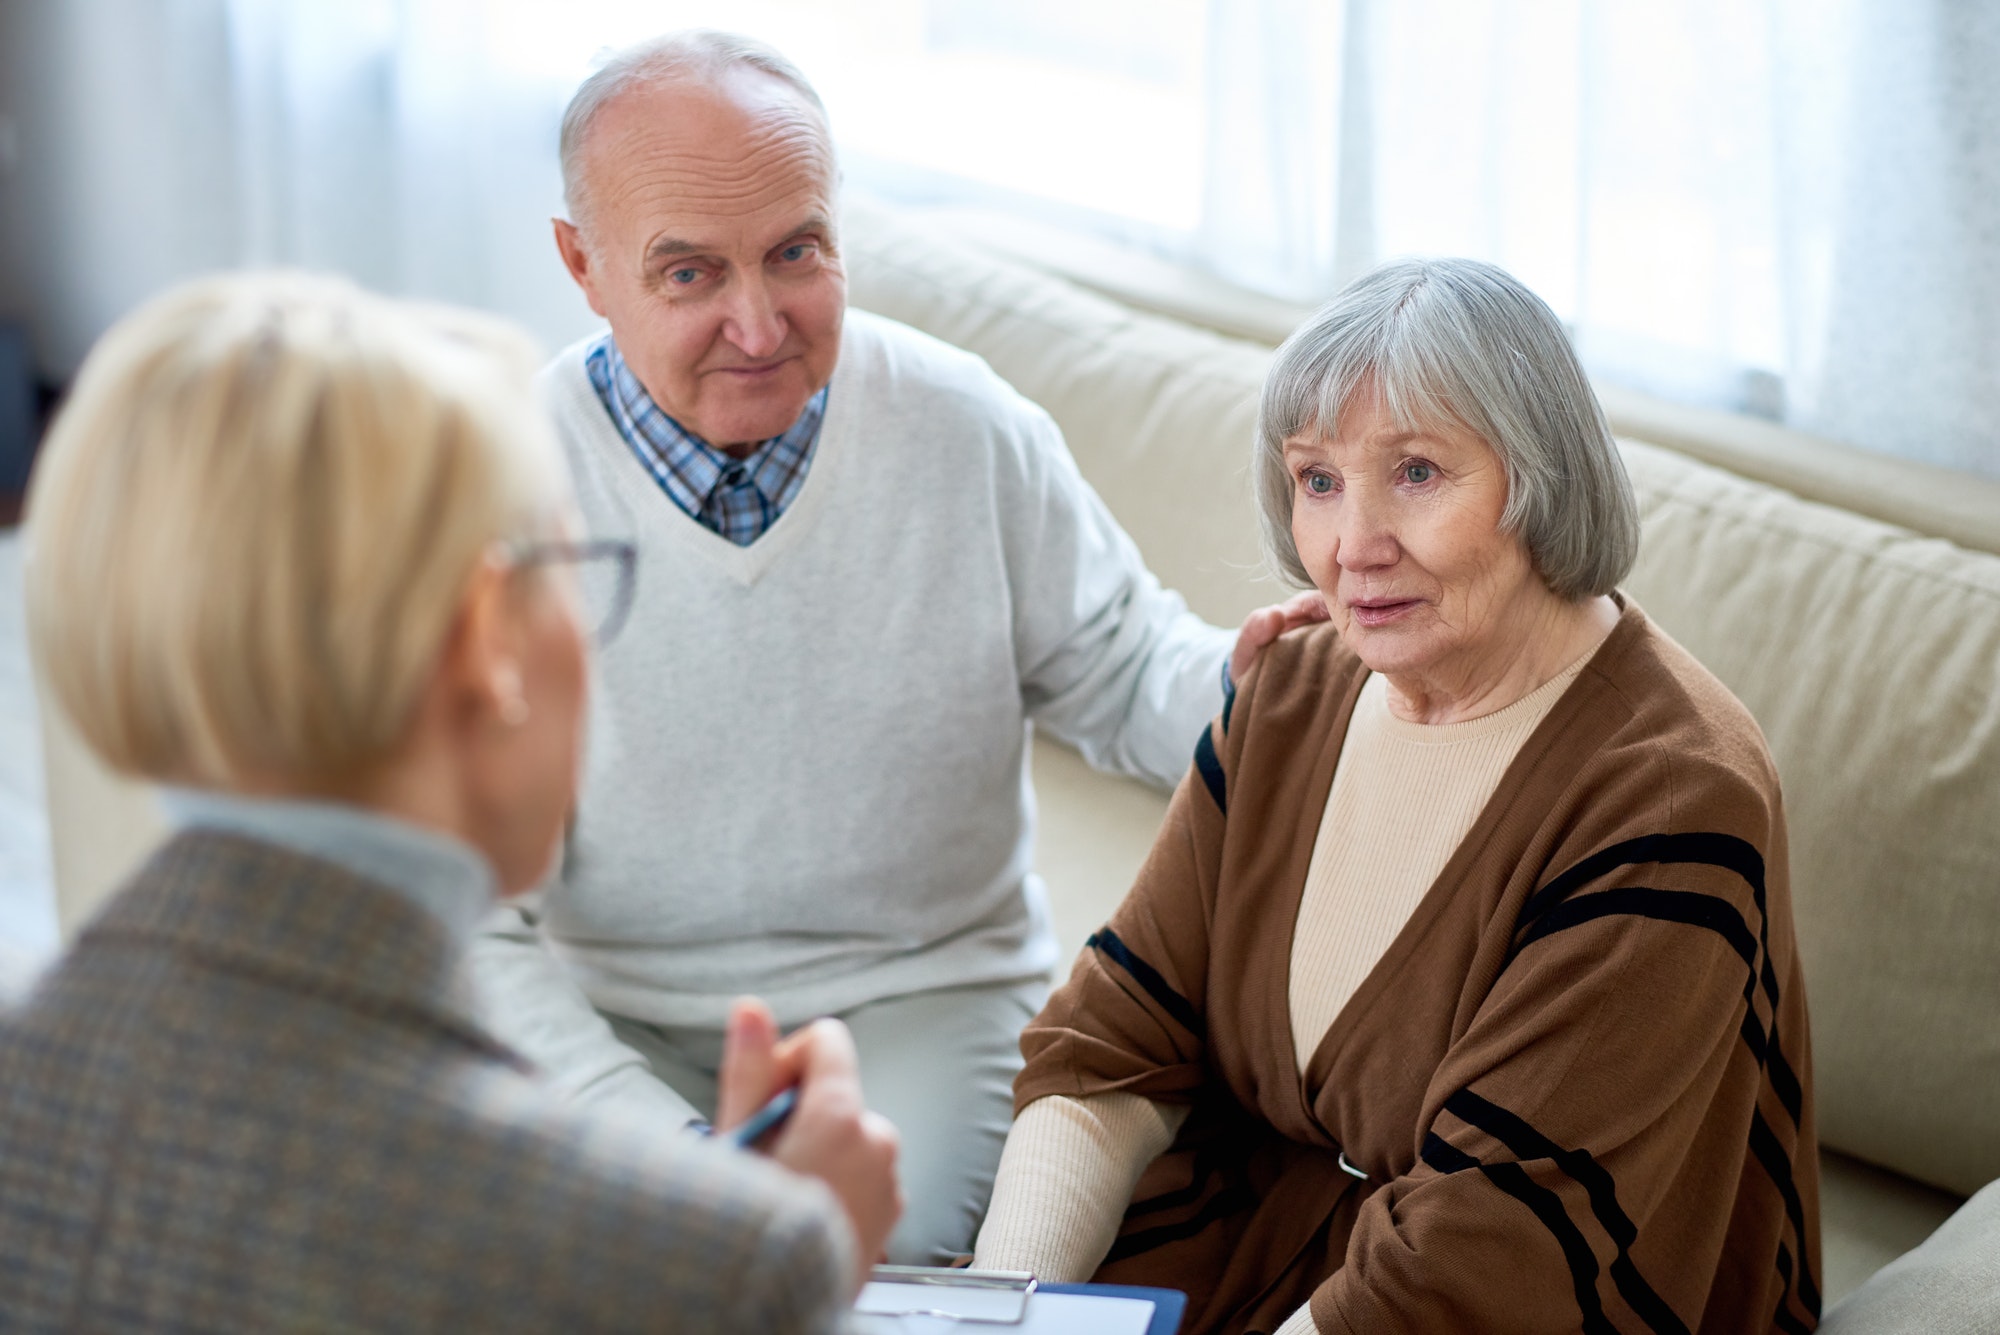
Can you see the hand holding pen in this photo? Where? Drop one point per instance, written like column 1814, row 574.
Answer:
column 829, row 1133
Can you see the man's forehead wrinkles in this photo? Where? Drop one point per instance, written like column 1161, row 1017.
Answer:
column 765, row 138
column 648, row 138
column 657, row 187
column 665, row 201
column 793, row 166
column 670, row 207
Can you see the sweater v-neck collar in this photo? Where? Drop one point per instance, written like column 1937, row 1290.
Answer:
column 744, row 565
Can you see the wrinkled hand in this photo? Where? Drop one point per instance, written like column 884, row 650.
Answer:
column 831, row 1135
column 1268, row 623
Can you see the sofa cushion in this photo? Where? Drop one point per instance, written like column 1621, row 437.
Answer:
column 1870, row 656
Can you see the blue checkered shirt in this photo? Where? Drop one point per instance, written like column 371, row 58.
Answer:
column 737, row 498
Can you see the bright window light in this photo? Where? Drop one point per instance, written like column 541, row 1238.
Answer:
column 1091, row 105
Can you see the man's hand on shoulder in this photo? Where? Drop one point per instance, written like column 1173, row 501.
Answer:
column 1268, row 623
column 831, row 1136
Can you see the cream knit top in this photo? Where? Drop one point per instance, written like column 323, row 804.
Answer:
column 1404, row 796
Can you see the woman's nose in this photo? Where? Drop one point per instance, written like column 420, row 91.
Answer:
column 1367, row 534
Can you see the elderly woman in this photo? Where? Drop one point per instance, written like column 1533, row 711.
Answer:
column 1460, row 990
column 300, row 553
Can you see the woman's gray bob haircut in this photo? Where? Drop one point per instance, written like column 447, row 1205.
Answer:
column 1457, row 343
column 692, row 52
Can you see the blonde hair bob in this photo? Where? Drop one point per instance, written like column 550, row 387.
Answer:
column 252, row 525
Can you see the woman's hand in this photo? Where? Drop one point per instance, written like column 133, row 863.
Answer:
column 1268, row 623
column 831, row 1135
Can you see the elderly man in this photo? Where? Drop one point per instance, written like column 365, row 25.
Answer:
column 868, row 566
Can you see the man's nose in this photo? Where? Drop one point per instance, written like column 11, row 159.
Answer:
column 755, row 324
column 1367, row 538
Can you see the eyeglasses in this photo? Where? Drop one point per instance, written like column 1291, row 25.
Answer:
column 607, row 571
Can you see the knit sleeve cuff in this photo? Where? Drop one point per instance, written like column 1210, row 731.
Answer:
column 1065, row 1178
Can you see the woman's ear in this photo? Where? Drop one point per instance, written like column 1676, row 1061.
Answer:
column 480, row 668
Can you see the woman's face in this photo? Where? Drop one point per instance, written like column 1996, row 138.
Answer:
column 1401, row 533
column 527, row 781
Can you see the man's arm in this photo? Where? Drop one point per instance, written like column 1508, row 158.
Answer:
column 1110, row 661
column 526, row 996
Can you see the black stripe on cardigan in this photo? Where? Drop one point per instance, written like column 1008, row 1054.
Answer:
column 1717, row 915
column 1725, row 851
column 1147, row 977
column 1444, row 1156
column 1511, row 1178
column 1783, row 1317
column 1764, row 1145
column 1232, row 1199
column 1527, row 1143
column 1227, row 1155
column 1684, row 906
column 1548, row 1207
column 1210, row 768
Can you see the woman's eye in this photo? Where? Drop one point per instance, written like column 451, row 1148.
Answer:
column 1319, row 484
column 1418, row 473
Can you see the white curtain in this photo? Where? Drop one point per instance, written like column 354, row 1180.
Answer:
column 409, row 143
column 1788, row 207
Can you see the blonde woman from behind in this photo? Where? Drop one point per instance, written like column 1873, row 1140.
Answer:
column 302, row 554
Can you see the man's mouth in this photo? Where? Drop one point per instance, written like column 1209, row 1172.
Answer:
column 754, row 370
column 1373, row 612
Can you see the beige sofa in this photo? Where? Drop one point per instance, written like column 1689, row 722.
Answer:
column 1869, row 652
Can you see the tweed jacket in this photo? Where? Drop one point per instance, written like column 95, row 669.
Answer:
column 1575, row 1093
column 245, row 1101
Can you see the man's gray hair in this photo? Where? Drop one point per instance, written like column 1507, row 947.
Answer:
column 700, row 53
column 1457, row 343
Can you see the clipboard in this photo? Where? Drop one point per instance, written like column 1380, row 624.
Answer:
column 1168, row 1304
column 920, row 1300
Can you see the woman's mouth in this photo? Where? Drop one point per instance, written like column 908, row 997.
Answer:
column 1373, row 612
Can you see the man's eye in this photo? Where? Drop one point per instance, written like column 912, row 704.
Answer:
column 1319, row 484
column 1418, row 473
column 683, row 276
column 792, row 254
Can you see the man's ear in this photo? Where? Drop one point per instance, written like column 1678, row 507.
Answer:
column 576, row 258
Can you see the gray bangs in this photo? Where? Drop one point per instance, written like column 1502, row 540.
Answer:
column 1459, row 344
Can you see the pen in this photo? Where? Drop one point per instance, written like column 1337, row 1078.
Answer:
column 766, row 1119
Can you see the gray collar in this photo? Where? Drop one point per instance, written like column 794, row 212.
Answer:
column 441, row 875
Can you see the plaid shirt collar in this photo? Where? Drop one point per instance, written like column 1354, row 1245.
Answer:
column 737, row 498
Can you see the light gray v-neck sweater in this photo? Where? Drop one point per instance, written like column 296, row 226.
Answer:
column 807, row 774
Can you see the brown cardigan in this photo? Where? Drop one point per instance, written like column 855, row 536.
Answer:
column 1578, row 1083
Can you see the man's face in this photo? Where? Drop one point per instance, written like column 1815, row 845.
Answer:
column 711, row 250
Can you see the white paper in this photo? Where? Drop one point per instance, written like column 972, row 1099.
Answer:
column 1048, row 1313
column 968, row 1304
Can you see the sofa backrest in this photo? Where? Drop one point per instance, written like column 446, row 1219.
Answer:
column 1869, row 654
